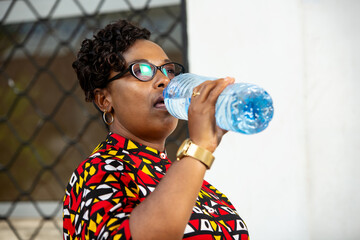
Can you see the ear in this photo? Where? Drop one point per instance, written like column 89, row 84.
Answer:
column 103, row 99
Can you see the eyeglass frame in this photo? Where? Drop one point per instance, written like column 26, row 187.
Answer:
column 129, row 69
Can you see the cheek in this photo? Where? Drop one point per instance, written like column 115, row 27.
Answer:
column 129, row 112
column 127, row 93
column 131, row 101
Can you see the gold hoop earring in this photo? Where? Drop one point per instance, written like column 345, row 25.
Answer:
column 105, row 119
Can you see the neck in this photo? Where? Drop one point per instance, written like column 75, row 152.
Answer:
column 156, row 143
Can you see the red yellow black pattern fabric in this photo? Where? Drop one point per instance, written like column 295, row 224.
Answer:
column 119, row 174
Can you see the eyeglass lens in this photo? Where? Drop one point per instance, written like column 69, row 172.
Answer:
column 146, row 71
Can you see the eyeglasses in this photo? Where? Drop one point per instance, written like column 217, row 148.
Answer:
column 145, row 71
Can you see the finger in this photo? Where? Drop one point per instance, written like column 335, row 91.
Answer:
column 209, row 91
column 201, row 92
column 221, row 84
column 220, row 132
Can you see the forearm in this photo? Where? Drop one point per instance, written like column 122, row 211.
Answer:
column 165, row 212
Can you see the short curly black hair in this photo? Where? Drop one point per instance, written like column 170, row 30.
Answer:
column 98, row 56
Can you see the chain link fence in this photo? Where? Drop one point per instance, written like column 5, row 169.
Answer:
column 46, row 127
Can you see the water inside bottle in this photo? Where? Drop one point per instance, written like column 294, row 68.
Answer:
column 178, row 107
column 242, row 107
column 246, row 113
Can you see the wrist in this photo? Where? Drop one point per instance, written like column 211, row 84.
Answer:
column 190, row 149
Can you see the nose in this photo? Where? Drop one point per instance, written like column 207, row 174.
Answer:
column 160, row 80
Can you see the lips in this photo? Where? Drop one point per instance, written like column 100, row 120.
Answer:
column 159, row 103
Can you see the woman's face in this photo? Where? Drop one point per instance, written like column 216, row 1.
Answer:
column 138, row 107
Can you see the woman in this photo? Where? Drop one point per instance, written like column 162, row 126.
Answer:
column 121, row 191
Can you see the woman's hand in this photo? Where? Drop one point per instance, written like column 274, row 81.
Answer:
column 203, row 130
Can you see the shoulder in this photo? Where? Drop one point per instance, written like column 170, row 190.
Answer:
column 99, row 167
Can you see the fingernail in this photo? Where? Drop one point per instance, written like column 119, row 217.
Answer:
column 229, row 79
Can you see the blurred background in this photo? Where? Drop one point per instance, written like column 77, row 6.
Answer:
column 298, row 179
column 46, row 127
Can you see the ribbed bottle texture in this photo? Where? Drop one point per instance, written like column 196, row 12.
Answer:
column 241, row 107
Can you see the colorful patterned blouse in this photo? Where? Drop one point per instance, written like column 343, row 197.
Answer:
column 120, row 173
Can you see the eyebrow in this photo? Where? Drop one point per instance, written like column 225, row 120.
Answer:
column 145, row 60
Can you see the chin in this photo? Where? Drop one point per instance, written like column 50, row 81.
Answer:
column 169, row 124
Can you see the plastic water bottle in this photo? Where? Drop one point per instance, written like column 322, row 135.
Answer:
column 241, row 107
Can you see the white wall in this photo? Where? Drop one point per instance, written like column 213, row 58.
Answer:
column 300, row 178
